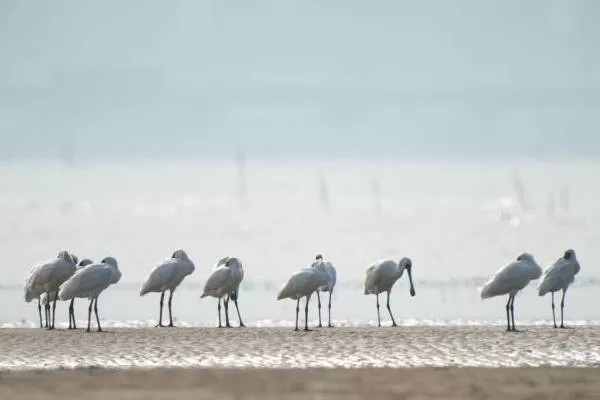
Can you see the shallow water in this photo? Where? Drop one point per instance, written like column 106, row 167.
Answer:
column 458, row 222
column 284, row 348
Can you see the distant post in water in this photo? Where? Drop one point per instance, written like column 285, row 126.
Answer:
column 241, row 171
column 324, row 194
column 376, row 194
column 519, row 189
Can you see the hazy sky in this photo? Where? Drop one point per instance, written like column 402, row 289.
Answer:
column 202, row 79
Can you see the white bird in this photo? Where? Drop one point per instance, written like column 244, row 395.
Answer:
column 225, row 280
column 89, row 282
column 167, row 276
column 47, row 277
column 45, row 298
column 510, row 279
column 31, row 294
column 381, row 277
column 330, row 269
column 303, row 284
column 559, row 276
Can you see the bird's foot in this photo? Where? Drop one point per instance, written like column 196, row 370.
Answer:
column 170, row 325
column 227, row 326
column 566, row 327
column 220, row 326
column 159, row 325
column 307, row 329
column 555, row 326
column 320, row 325
column 394, row 325
column 88, row 330
column 330, row 326
column 296, row 329
column 100, row 330
column 242, row 325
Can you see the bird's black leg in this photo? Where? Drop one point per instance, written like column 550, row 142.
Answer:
column 508, row 313
column 329, row 324
column 553, row 314
column 90, row 314
column 390, row 310
column 226, row 303
column 47, row 315
column 378, row 317
column 170, row 311
column 54, row 310
column 306, row 314
column 97, row 318
column 297, row 312
column 40, row 312
column 72, row 314
column 162, row 299
column 219, row 309
column 512, row 312
column 319, row 305
column 562, row 307
column 235, row 301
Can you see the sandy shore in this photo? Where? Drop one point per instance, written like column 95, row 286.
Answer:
column 264, row 384
column 283, row 348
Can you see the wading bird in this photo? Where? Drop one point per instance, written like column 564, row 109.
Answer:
column 167, row 276
column 90, row 282
column 510, row 279
column 559, row 276
column 381, row 277
column 224, row 280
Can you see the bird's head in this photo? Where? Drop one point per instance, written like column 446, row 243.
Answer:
column 180, row 254
column 569, row 254
column 406, row 264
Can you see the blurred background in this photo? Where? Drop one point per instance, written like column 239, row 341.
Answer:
column 457, row 133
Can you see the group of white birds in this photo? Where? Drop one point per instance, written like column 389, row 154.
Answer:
column 516, row 275
column 66, row 278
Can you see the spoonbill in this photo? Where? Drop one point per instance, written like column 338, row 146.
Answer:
column 303, row 284
column 381, row 277
column 559, row 276
column 45, row 298
column 90, row 282
column 167, row 276
column 225, row 280
column 31, row 293
column 510, row 279
column 330, row 269
column 47, row 277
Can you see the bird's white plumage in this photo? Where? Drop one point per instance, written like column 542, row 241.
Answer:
column 92, row 280
column 53, row 295
column 49, row 276
column 225, row 277
column 512, row 277
column 382, row 275
column 304, row 282
column 328, row 267
column 168, row 274
column 559, row 275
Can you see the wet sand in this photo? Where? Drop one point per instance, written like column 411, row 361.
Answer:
column 283, row 348
column 265, row 384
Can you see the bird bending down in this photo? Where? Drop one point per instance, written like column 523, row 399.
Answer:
column 510, row 279
column 331, row 272
column 167, row 276
column 89, row 282
column 224, row 280
column 47, row 277
column 303, row 284
column 559, row 276
column 382, row 276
